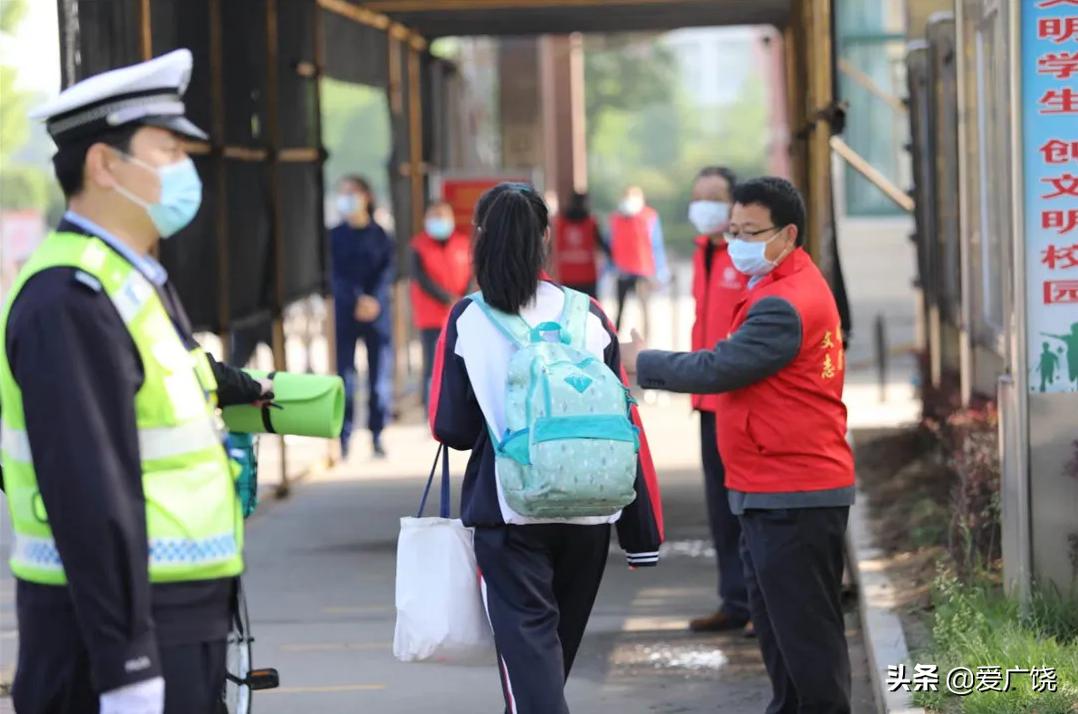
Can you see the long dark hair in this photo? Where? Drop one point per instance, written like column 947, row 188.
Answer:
column 510, row 222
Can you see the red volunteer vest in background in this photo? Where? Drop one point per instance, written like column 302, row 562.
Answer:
column 788, row 432
column 717, row 292
column 449, row 264
column 630, row 242
column 574, row 251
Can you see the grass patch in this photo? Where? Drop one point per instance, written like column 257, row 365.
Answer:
column 975, row 625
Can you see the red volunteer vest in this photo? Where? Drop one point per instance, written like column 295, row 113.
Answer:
column 449, row 264
column 788, row 432
column 630, row 242
column 574, row 251
column 717, row 292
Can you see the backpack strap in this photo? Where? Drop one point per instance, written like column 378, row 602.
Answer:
column 514, row 327
column 574, row 317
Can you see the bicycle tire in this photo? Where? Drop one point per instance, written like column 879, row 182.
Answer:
column 236, row 694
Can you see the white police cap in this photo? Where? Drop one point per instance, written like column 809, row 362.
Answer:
column 145, row 93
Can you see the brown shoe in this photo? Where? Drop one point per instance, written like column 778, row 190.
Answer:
column 750, row 631
column 718, row 622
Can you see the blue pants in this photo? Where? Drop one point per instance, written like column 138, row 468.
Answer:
column 793, row 564
column 725, row 528
column 379, row 344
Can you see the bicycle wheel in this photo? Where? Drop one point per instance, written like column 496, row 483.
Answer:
column 236, row 696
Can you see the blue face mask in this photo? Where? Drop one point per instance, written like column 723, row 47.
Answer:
column 347, row 204
column 439, row 228
column 749, row 257
column 181, row 196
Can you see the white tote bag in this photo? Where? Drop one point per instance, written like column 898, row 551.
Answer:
column 440, row 613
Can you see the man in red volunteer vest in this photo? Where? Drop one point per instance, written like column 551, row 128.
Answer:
column 441, row 275
column 637, row 251
column 781, row 428
column 717, row 287
column 577, row 244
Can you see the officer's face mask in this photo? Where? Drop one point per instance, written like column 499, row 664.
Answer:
column 750, row 257
column 709, row 217
column 439, row 227
column 180, row 199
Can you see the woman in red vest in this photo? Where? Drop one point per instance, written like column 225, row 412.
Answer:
column 637, row 251
column 441, row 275
column 781, row 429
column 577, row 243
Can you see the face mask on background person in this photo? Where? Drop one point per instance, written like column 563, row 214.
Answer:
column 181, row 195
column 439, row 228
column 749, row 257
column 347, row 204
column 709, row 217
column 631, row 206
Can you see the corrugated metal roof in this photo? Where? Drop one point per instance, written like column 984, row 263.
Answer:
column 439, row 18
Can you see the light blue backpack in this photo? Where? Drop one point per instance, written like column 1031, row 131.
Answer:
column 570, row 447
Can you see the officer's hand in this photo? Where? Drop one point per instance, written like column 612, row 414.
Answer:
column 146, row 697
column 631, row 350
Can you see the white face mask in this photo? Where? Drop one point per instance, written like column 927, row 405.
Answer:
column 631, row 206
column 750, row 257
column 709, row 217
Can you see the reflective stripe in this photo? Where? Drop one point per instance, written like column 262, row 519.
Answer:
column 37, row 553
column 15, row 443
column 132, row 295
column 163, row 443
column 169, row 441
column 41, row 553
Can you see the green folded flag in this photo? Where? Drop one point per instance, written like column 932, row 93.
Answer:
column 303, row 405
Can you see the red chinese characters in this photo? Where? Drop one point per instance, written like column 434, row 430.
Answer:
column 1059, row 101
column 1065, row 185
column 1057, row 151
column 1046, row 4
column 1060, row 257
column 1060, row 292
column 1057, row 29
column 1061, row 221
column 1060, row 65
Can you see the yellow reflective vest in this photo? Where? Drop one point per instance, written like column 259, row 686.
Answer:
column 193, row 519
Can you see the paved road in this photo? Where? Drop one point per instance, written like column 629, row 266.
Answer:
column 321, row 569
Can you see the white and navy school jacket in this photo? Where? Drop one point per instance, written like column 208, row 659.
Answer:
column 468, row 391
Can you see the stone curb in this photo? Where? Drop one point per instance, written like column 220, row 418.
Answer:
column 885, row 641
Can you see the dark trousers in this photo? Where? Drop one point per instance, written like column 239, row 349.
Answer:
column 245, row 341
column 725, row 527
column 589, row 289
column 793, row 568
column 429, row 339
column 376, row 336
column 539, row 583
column 53, row 672
column 642, row 287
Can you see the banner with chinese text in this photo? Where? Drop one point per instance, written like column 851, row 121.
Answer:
column 1049, row 59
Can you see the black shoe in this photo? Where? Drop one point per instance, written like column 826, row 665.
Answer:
column 379, row 450
column 718, row 622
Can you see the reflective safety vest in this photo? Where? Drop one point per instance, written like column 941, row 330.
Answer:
column 193, row 518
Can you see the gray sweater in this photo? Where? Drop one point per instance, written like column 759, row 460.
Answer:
column 765, row 343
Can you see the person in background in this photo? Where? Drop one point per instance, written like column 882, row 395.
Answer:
column 441, row 275
column 782, row 435
column 717, row 287
column 540, row 577
column 363, row 269
column 637, row 252
column 577, row 244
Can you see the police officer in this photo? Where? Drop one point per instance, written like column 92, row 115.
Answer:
column 127, row 530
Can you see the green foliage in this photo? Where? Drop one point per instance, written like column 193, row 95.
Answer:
column 356, row 132
column 976, row 626
column 21, row 186
column 644, row 130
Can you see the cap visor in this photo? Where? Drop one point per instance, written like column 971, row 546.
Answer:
column 180, row 125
